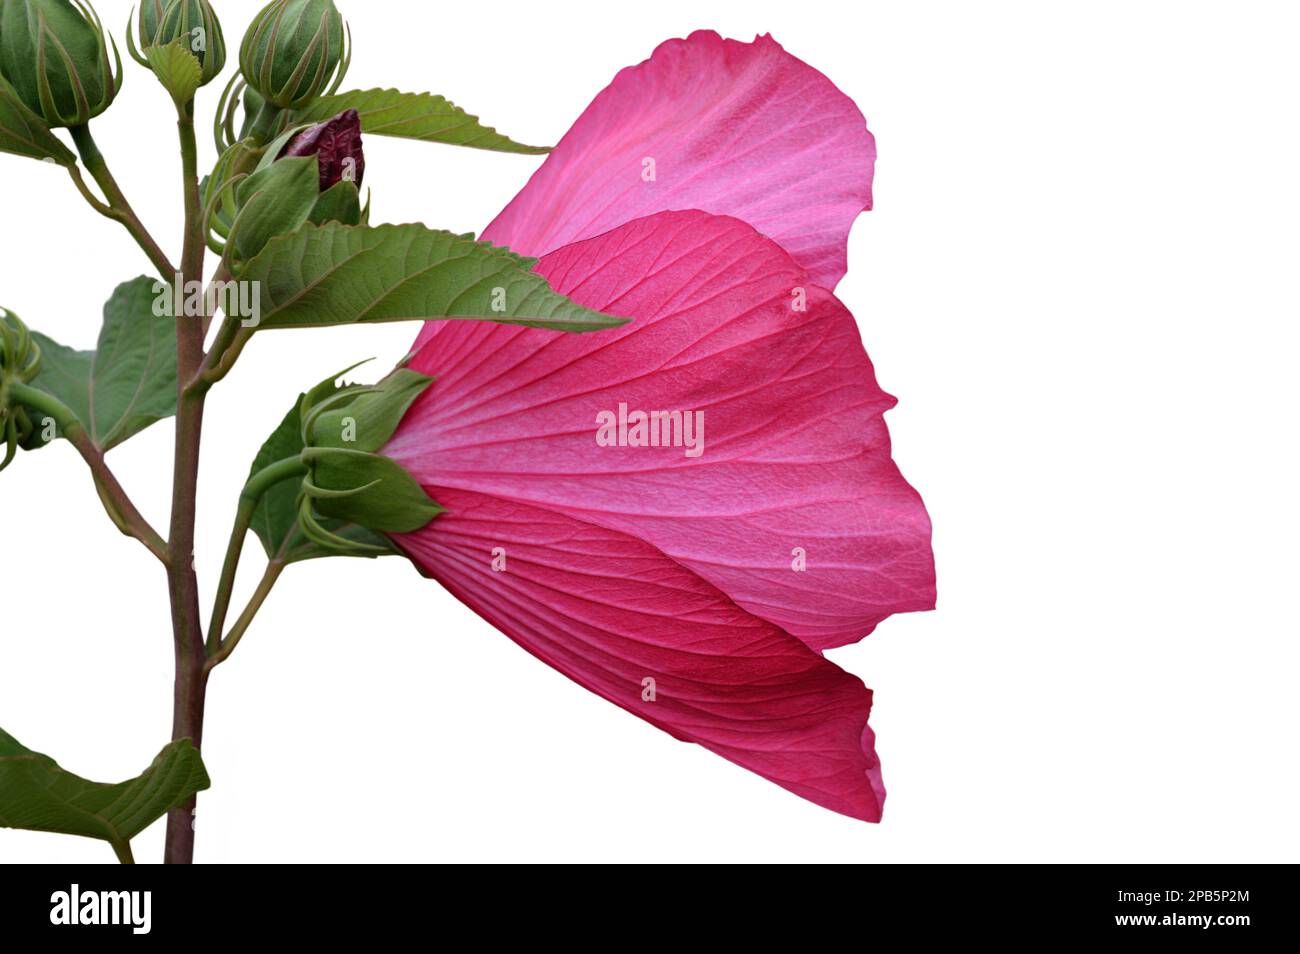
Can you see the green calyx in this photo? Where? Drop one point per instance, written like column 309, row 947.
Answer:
column 192, row 23
column 295, row 51
column 245, row 211
column 347, row 478
column 20, row 362
column 54, row 53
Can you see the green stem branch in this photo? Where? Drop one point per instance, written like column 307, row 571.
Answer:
column 228, row 645
column 252, row 495
column 116, row 501
column 117, row 208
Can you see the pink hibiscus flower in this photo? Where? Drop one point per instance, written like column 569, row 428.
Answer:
column 682, row 513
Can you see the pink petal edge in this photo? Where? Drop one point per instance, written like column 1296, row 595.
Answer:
column 739, row 129
column 611, row 612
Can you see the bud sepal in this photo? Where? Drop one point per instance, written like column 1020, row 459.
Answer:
column 20, row 362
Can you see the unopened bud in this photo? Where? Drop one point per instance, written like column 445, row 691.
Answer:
column 295, row 51
column 54, row 53
column 162, row 22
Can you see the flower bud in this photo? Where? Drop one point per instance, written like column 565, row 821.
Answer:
column 161, row 22
column 347, row 478
column 336, row 143
column 20, row 362
column 309, row 174
column 295, row 51
column 54, row 54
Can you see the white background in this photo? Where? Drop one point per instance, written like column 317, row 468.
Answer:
column 1079, row 280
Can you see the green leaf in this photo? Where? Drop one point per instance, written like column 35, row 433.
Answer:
column 37, row 795
column 336, row 274
column 274, row 201
column 129, row 381
column 177, row 68
column 422, row 116
column 276, row 520
column 23, row 133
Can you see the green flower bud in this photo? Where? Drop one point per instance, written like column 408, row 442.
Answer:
column 194, row 21
column 20, row 362
column 295, row 51
column 348, row 479
column 54, row 53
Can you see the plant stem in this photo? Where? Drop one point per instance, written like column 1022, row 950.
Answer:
column 119, row 506
column 253, row 492
column 123, row 852
column 118, row 208
column 269, row 578
column 187, row 628
column 264, row 123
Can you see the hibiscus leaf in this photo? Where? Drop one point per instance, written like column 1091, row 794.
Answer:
column 276, row 519
column 37, row 795
column 422, row 116
column 336, row 274
column 129, row 381
column 177, row 68
column 23, row 133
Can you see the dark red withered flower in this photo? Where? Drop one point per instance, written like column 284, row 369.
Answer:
column 337, row 145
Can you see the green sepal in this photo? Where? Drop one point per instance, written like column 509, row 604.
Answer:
column 20, row 362
column 342, row 429
column 341, row 202
column 367, row 489
column 218, row 191
column 274, row 201
column 276, row 520
column 366, row 422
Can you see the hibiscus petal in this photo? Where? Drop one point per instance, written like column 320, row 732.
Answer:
column 611, row 612
column 740, row 129
column 796, row 456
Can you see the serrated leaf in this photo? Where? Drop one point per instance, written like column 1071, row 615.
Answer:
column 24, row 134
column 37, row 795
column 336, row 274
column 129, row 381
column 422, row 116
column 177, row 68
column 276, row 519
